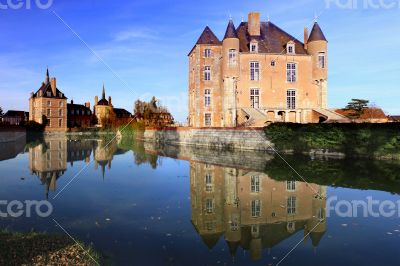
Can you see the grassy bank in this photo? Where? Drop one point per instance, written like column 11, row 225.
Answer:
column 43, row 249
column 380, row 141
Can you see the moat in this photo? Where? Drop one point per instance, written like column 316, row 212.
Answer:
column 144, row 204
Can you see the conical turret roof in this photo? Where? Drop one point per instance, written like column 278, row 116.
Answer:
column 316, row 34
column 230, row 31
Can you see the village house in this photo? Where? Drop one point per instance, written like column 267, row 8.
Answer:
column 13, row 117
column 258, row 74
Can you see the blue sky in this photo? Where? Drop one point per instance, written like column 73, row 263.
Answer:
column 145, row 43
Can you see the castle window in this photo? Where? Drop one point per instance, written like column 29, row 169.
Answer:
column 208, row 182
column 209, row 206
column 72, row 112
column 291, row 71
column 290, row 185
column 60, row 113
column 273, row 63
column 291, row 99
column 48, row 94
column 59, row 122
column 321, row 60
column 255, row 98
column 207, row 98
column 61, row 104
column 48, row 112
column 207, row 53
column 207, row 120
column 48, row 103
column 291, row 205
column 207, row 73
column 253, row 47
column 255, row 184
column 232, row 57
column 254, row 70
column 291, row 48
column 255, row 208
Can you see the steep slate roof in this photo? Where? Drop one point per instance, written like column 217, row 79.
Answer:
column 80, row 107
column 272, row 39
column 208, row 37
column 122, row 113
column 13, row 113
column 316, row 34
column 230, row 31
column 47, row 88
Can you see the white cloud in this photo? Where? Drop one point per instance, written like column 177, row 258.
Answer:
column 132, row 34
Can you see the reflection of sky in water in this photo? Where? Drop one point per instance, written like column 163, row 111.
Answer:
column 144, row 216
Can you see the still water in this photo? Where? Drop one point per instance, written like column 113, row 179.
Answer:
column 142, row 204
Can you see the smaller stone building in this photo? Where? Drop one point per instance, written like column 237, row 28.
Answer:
column 107, row 115
column 79, row 115
column 13, row 117
column 49, row 106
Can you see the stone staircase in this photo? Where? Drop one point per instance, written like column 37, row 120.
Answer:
column 256, row 117
column 331, row 116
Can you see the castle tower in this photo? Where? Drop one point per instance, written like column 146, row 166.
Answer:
column 317, row 47
column 230, row 74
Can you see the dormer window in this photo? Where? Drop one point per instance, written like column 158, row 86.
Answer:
column 48, row 94
column 253, row 47
column 291, row 48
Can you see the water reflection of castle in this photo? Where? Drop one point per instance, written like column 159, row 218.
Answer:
column 252, row 210
column 48, row 160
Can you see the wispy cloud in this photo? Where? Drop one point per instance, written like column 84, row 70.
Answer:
column 133, row 34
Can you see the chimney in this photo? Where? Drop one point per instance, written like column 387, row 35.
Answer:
column 254, row 24
column 109, row 100
column 96, row 100
column 53, row 84
column 72, row 101
column 87, row 104
column 305, row 38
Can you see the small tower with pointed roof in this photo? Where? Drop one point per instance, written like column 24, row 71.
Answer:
column 317, row 47
column 230, row 74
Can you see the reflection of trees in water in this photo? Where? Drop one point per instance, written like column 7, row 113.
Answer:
column 350, row 173
column 139, row 151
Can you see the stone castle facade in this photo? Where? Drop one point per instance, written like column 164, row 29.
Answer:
column 258, row 74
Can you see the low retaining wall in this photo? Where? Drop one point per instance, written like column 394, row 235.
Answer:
column 12, row 135
column 221, row 138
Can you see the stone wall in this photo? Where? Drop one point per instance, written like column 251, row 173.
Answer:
column 220, row 138
column 12, row 134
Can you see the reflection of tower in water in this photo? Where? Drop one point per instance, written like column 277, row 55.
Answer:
column 48, row 161
column 252, row 210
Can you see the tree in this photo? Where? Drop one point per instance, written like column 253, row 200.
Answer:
column 356, row 108
column 1, row 112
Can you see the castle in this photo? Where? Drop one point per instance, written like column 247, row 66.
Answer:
column 258, row 74
column 48, row 106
